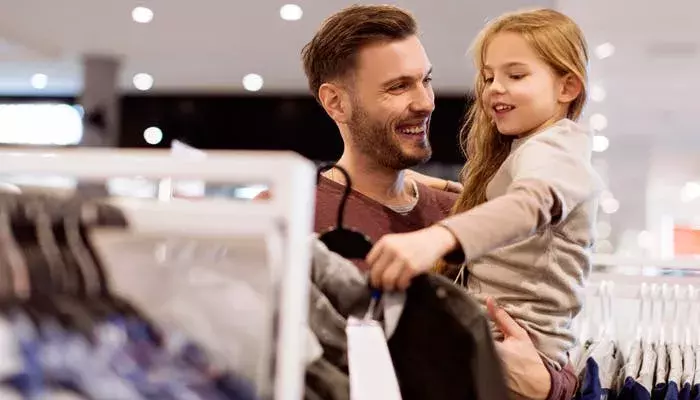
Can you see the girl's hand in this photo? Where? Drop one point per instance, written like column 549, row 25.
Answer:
column 396, row 258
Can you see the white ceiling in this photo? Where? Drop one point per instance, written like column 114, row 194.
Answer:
column 208, row 45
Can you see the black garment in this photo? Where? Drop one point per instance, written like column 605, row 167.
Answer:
column 441, row 346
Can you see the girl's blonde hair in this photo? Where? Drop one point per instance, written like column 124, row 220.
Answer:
column 559, row 41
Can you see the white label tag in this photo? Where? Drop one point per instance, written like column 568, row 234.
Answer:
column 372, row 374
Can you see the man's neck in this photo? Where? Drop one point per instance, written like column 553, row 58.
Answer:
column 379, row 183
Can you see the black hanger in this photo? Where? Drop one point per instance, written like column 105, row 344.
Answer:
column 92, row 215
column 347, row 242
column 57, row 303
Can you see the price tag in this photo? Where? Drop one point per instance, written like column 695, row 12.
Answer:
column 372, row 374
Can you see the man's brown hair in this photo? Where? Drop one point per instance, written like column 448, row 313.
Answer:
column 332, row 53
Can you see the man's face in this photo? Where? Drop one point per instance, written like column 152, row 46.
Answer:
column 392, row 101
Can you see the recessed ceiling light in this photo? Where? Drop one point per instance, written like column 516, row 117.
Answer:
column 291, row 12
column 143, row 81
column 153, row 135
column 605, row 50
column 142, row 15
column 610, row 206
column 597, row 93
column 252, row 82
column 690, row 192
column 39, row 81
column 600, row 143
column 603, row 229
column 598, row 122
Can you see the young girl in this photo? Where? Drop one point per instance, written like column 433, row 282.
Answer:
column 524, row 221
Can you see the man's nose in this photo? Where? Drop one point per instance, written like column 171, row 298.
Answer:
column 423, row 100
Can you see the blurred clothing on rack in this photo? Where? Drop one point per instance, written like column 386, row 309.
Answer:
column 652, row 369
column 64, row 334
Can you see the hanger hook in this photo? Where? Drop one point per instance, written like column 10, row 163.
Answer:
column 603, row 309
column 346, row 192
column 609, row 295
column 643, row 295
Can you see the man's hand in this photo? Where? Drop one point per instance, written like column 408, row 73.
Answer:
column 396, row 258
column 435, row 183
column 526, row 375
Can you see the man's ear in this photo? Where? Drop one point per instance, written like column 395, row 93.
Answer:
column 335, row 100
column 571, row 88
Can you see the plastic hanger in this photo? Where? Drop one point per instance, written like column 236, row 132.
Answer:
column 57, row 303
column 83, row 217
column 610, row 322
column 602, row 328
column 347, row 242
column 643, row 299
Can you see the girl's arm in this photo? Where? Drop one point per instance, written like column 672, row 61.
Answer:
column 551, row 176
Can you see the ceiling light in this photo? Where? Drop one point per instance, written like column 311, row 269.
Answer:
column 291, row 12
column 604, row 246
column 143, row 81
column 645, row 239
column 690, row 192
column 142, row 15
column 39, row 81
column 252, row 82
column 610, row 206
column 605, row 50
column 153, row 135
column 600, row 143
column 603, row 230
column 597, row 93
column 598, row 122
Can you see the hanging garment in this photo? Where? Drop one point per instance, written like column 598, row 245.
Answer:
column 633, row 390
column 585, row 352
column 589, row 382
column 685, row 392
column 696, row 375
column 454, row 359
column 646, row 372
column 457, row 360
column 671, row 391
column 609, row 361
column 662, row 366
column 121, row 361
column 688, row 366
column 675, row 373
column 634, row 361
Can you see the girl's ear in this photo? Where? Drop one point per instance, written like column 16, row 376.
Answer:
column 571, row 88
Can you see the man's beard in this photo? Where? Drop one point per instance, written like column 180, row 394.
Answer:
column 379, row 142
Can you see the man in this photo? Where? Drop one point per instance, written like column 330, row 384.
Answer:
column 369, row 71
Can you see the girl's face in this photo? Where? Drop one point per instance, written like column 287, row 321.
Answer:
column 522, row 93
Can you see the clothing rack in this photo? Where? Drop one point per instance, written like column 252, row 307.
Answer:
column 288, row 214
column 622, row 284
column 627, row 274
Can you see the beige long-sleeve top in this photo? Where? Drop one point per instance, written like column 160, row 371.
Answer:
column 529, row 244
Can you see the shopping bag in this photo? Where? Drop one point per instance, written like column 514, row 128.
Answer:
column 371, row 370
